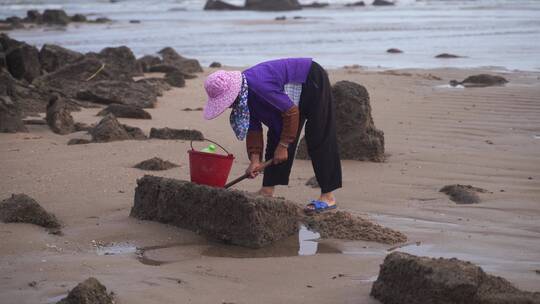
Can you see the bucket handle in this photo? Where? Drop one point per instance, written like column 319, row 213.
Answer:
column 206, row 139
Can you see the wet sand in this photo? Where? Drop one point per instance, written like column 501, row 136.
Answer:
column 435, row 136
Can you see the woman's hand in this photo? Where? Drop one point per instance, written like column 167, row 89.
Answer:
column 280, row 155
column 253, row 170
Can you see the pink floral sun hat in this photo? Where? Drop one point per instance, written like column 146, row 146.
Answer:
column 222, row 88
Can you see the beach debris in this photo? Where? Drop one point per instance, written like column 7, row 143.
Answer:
column 147, row 61
column 181, row 134
column 91, row 291
column 343, row 225
column 357, row 3
column 23, row 62
column 405, row 278
column 155, row 164
column 394, row 51
column 78, row 141
column 357, row 136
column 53, row 57
column 10, row 116
column 228, row 215
column 463, row 194
column 480, row 80
column 109, row 129
column 58, row 116
column 186, row 65
column 312, row 182
column 218, row 5
column 447, row 56
column 215, row 64
column 21, row 208
column 122, row 92
column 125, row 111
column 175, row 79
column 382, row 3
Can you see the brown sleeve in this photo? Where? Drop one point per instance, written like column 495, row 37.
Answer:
column 291, row 120
column 254, row 143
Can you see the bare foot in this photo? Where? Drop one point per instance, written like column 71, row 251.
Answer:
column 266, row 191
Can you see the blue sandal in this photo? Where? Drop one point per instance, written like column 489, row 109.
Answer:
column 319, row 206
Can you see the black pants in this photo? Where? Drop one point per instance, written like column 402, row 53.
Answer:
column 317, row 112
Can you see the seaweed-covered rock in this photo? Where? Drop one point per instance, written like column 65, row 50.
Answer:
column 109, row 129
column 357, row 136
column 23, row 62
column 155, row 164
column 91, row 291
column 405, row 278
column 20, row 208
column 10, row 116
column 175, row 79
column 59, row 117
column 228, row 215
column 53, row 57
column 55, row 16
column 463, row 194
column 218, row 5
column 181, row 134
column 275, row 5
column 481, row 80
column 122, row 92
column 125, row 111
column 186, row 65
column 147, row 61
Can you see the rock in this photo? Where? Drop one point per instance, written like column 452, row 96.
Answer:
column 158, row 85
column 382, row 3
column 447, row 56
column 109, row 129
column 78, row 141
column 28, row 99
column 215, row 64
column 218, row 5
column 33, row 16
column 230, row 216
column 79, row 126
column 125, row 111
column 134, row 21
column 20, row 208
column 58, row 117
column 343, row 225
column 8, row 43
column 405, row 278
column 122, row 92
column 119, row 61
column 91, row 291
column 394, row 51
column 147, row 61
column 175, row 79
column 358, row 3
column 36, row 122
column 101, row 20
column 181, row 134
column 186, row 65
column 275, row 5
column 55, row 16
column 10, row 116
column 312, row 182
column 79, row 18
column 357, row 137
column 155, row 164
column 315, row 5
column 481, row 80
column 53, row 57
column 23, row 62
column 280, row 18
column 162, row 68
column 135, row 133
column 462, row 194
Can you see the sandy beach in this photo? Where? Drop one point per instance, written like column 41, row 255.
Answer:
column 435, row 135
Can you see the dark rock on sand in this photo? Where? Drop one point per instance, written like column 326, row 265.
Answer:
column 280, row 18
column 125, row 111
column 394, row 51
column 101, row 20
column 218, row 5
column 27, row 99
column 343, row 225
column 35, row 122
column 181, row 134
column 109, row 129
column 275, row 5
column 382, row 3
column 59, row 117
column 405, row 278
column 158, row 85
column 155, row 164
column 215, row 64
column 175, row 79
column 78, row 141
column 357, row 136
column 147, row 61
column 358, row 3
column 8, row 43
column 80, row 126
column 312, row 182
column 447, row 56
column 53, row 57
column 119, row 61
column 162, row 68
column 481, row 80
column 186, row 65
column 91, row 291
column 10, row 116
column 122, row 92
column 315, row 5
column 55, row 16
column 20, row 208
column 228, row 215
column 79, row 18
column 33, row 16
column 463, row 194
column 23, row 62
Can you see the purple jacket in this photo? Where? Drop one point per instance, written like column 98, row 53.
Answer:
column 266, row 97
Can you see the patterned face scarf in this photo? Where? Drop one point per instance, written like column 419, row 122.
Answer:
column 240, row 112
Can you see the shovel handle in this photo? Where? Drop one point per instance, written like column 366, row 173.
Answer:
column 243, row 177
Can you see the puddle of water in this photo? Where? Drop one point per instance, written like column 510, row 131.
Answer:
column 536, row 136
column 447, row 86
column 116, row 249
column 52, row 300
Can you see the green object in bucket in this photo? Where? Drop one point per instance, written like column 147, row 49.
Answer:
column 209, row 149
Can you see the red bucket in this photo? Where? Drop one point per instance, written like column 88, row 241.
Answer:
column 209, row 168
